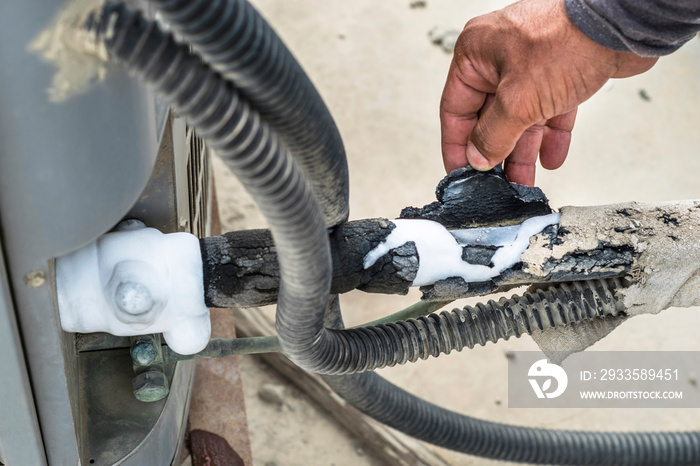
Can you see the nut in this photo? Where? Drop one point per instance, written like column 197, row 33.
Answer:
column 133, row 298
column 150, row 386
column 144, row 352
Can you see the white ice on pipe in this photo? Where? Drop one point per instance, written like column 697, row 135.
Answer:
column 440, row 250
column 136, row 281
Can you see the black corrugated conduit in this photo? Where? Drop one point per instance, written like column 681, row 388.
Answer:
column 418, row 418
column 232, row 37
column 395, row 407
column 264, row 166
column 432, row 334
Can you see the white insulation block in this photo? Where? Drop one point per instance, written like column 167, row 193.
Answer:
column 136, row 281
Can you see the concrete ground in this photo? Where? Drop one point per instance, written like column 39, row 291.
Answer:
column 382, row 78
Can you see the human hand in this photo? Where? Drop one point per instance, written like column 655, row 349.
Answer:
column 515, row 82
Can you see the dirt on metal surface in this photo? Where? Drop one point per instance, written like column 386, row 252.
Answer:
column 79, row 58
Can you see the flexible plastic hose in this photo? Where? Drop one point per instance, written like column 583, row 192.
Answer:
column 252, row 151
column 555, row 306
column 221, row 347
column 237, row 42
column 407, row 341
column 418, row 418
column 393, row 406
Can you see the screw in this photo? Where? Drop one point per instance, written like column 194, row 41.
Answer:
column 150, row 386
column 35, row 278
column 133, row 298
column 144, row 352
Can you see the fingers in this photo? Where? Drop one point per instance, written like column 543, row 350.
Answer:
column 550, row 139
column 496, row 133
column 462, row 98
column 520, row 164
column 556, row 140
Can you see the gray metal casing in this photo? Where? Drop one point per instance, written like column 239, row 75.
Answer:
column 68, row 173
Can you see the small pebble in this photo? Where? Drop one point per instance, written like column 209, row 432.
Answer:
column 445, row 38
column 272, row 393
column 417, row 4
column 643, row 94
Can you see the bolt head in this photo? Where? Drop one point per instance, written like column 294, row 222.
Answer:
column 137, row 293
column 150, row 386
column 133, row 298
column 144, row 352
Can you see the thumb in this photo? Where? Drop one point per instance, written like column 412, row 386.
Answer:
column 495, row 135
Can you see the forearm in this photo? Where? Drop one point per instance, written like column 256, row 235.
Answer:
column 645, row 27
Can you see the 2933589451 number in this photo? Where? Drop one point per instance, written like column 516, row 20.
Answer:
column 639, row 374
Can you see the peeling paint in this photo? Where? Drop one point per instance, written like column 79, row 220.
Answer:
column 79, row 58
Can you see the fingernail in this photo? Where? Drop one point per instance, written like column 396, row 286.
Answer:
column 475, row 158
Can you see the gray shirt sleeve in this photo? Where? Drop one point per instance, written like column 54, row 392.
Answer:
column 646, row 27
